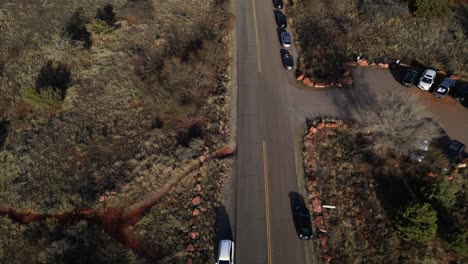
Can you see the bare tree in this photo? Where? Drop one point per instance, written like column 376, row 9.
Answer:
column 395, row 124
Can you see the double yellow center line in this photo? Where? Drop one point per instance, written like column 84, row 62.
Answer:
column 267, row 202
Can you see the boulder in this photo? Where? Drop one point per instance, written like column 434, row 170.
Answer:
column 190, row 248
column 191, row 221
column 320, row 223
column 193, row 235
column 309, row 135
column 313, row 130
column 320, row 125
column 300, row 77
column 102, row 199
column 321, row 85
column 332, row 125
column 314, row 192
column 373, row 64
column 461, row 165
column 363, row 63
column 311, row 84
column 196, row 200
column 316, row 205
column 431, row 174
column 198, row 187
column 441, row 73
column 202, row 158
column 196, row 212
column 383, row 65
column 306, row 81
column 455, row 77
column 323, row 242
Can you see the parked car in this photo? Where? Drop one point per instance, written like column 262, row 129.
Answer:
column 420, row 152
column 225, row 252
column 410, row 77
column 427, row 79
column 444, row 88
column 461, row 94
column 286, row 38
column 287, row 59
column 278, row 4
column 302, row 222
column 280, row 19
column 454, row 150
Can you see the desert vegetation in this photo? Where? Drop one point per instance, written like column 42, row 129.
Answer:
column 389, row 208
column 103, row 102
column 432, row 33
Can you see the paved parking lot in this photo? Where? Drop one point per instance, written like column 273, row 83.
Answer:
column 369, row 83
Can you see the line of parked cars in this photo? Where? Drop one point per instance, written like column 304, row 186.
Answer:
column 426, row 80
column 283, row 35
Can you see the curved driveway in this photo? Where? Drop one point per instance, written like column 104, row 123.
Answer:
column 271, row 112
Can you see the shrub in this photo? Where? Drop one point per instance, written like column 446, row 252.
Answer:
column 417, row 222
column 394, row 124
column 98, row 26
column 54, row 74
column 76, row 28
column 458, row 241
column 107, row 15
column 431, row 8
column 444, row 192
column 46, row 97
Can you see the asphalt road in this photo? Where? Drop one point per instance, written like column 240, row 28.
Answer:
column 271, row 113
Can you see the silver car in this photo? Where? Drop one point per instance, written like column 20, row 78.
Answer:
column 427, row 79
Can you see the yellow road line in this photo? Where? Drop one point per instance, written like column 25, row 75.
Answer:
column 259, row 64
column 267, row 202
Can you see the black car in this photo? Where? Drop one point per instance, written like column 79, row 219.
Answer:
column 410, row 77
column 303, row 222
column 444, row 88
column 454, row 150
column 278, row 4
column 461, row 94
column 287, row 59
column 280, row 18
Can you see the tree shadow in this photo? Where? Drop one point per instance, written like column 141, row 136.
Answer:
column 393, row 193
column 56, row 75
column 76, row 29
column 222, row 227
column 107, row 15
column 4, row 126
column 462, row 15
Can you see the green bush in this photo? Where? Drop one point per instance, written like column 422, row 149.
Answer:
column 444, row 192
column 431, row 8
column 417, row 222
column 46, row 97
column 458, row 241
column 98, row 27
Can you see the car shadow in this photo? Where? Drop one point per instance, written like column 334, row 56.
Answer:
column 295, row 200
column 222, row 227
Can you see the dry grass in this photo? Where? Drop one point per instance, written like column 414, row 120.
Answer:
column 144, row 95
column 330, row 31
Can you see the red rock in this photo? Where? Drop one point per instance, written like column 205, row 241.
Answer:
column 202, row 158
column 320, row 224
column 326, row 259
column 309, row 135
column 196, row 212
column 332, row 125
column 313, row 180
column 373, row 64
column 345, row 73
column 102, row 199
column 350, row 63
column 191, row 221
column 431, row 174
column 311, row 84
column 441, row 73
column 113, row 193
column 190, row 248
column 196, row 200
column 311, row 161
column 314, row 192
column 193, row 235
column 363, row 63
column 300, row 77
column 455, row 77
column 330, row 133
column 323, row 242
column 306, row 81
column 321, row 85
column 383, row 65
column 313, row 130
column 189, row 260
column 317, row 205
column 320, row 125
column 198, row 187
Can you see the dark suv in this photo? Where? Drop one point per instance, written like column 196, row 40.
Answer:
column 444, row 88
column 454, row 150
column 278, row 4
column 461, row 94
column 281, row 20
column 301, row 216
column 410, row 78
